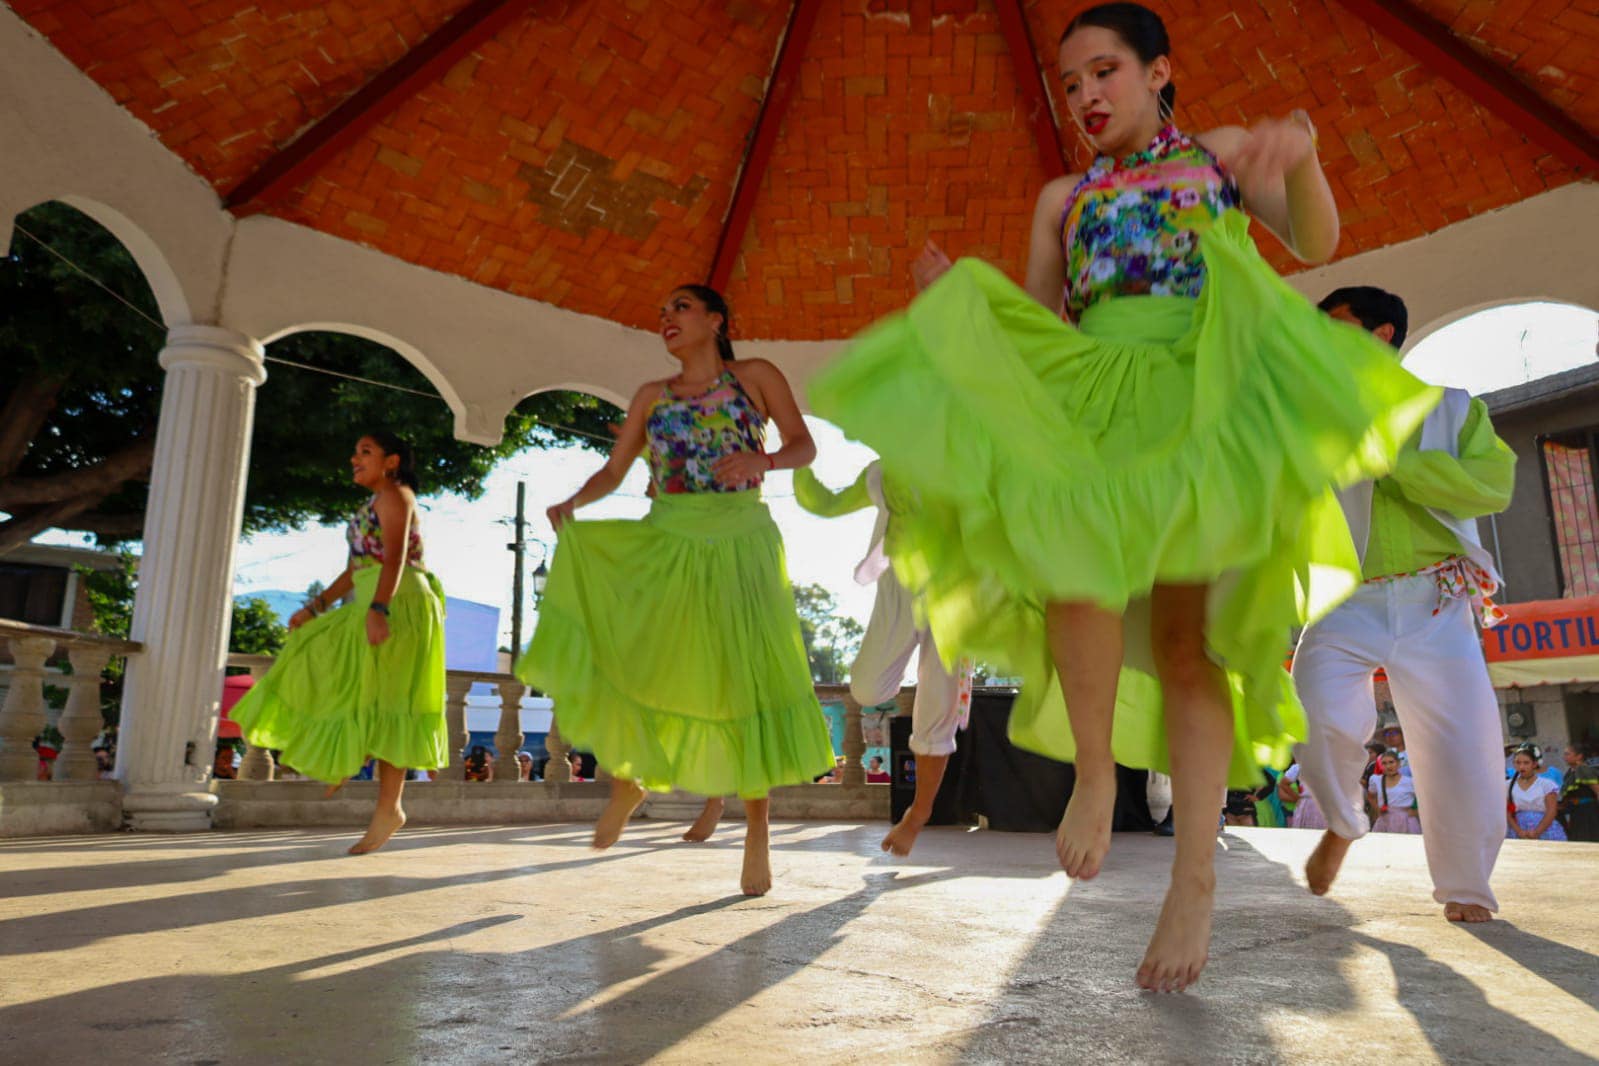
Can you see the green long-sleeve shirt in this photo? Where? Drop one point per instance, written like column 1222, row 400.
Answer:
column 1404, row 537
column 820, row 500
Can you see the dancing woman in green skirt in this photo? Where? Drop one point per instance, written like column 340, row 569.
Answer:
column 1123, row 508
column 670, row 645
column 366, row 679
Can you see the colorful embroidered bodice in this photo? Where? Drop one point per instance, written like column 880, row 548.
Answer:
column 688, row 434
column 1130, row 227
column 365, row 534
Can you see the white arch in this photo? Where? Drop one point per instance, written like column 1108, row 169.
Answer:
column 404, row 349
column 1419, row 334
column 170, row 298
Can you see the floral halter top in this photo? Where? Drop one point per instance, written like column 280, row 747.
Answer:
column 365, row 534
column 688, row 434
column 1130, row 227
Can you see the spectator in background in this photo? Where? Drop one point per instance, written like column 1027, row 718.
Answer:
column 224, row 767
column 575, row 762
column 103, row 762
column 1392, row 798
column 875, row 772
column 524, row 766
column 1579, row 797
column 1532, row 803
column 479, row 767
column 1393, row 739
column 1375, row 748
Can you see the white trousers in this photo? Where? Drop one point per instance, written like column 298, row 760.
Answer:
column 1446, row 706
column 891, row 636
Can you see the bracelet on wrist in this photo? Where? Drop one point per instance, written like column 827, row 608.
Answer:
column 380, row 608
column 771, row 461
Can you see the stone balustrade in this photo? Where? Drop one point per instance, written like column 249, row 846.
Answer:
column 22, row 715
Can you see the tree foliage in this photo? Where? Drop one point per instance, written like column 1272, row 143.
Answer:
column 831, row 639
column 80, row 394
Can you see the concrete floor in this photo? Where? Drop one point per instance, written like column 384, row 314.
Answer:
column 517, row 944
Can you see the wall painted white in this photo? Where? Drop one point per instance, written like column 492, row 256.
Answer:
column 65, row 139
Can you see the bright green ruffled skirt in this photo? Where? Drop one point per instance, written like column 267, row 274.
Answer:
column 331, row 700
column 673, row 652
column 1165, row 440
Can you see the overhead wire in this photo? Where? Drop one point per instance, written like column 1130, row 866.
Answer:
column 161, row 326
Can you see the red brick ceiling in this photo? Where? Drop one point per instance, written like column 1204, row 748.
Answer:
column 586, row 156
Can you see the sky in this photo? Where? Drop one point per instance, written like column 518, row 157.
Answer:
column 466, row 539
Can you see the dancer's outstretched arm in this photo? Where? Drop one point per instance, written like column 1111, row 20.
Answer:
column 629, row 444
column 819, row 500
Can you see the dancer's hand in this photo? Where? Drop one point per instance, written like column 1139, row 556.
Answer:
column 1274, row 147
column 560, row 514
column 929, row 266
column 377, row 628
column 740, row 468
column 300, row 618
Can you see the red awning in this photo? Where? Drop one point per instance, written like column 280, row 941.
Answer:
column 233, row 690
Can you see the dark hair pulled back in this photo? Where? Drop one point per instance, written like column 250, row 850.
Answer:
column 1140, row 29
column 394, row 444
column 716, row 304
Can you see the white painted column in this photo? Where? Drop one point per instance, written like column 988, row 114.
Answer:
column 183, row 608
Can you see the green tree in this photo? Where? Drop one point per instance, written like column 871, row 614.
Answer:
column 80, row 392
column 256, row 629
column 110, row 595
column 831, row 639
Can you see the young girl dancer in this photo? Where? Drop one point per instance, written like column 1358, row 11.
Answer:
column 366, row 679
column 1125, row 506
column 670, row 645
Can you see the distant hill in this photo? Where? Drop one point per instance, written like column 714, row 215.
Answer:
column 282, row 603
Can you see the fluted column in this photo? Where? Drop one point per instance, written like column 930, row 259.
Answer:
column 22, row 715
column 455, row 693
column 854, row 743
column 181, row 613
column 81, row 720
column 508, row 739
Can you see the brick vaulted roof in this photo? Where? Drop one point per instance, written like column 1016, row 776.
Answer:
column 586, row 154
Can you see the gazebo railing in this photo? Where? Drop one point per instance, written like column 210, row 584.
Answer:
column 22, row 716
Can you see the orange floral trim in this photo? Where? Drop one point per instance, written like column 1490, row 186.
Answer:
column 1458, row 578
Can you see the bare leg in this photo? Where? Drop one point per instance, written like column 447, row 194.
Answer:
column 1199, row 729
column 929, row 775
column 625, row 798
column 387, row 817
column 757, row 876
column 1086, row 644
column 1321, row 869
column 1467, row 912
column 705, row 824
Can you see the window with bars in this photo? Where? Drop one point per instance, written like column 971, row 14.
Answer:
column 1568, row 466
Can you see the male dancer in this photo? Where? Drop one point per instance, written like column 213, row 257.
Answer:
column 1424, row 570
column 943, row 700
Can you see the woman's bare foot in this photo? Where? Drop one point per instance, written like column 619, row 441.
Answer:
column 1467, row 912
column 1084, row 834
column 625, row 798
column 902, row 837
column 1324, row 863
column 705, row 824
column 385, row 823
column 1181, row 943
column 756, row 878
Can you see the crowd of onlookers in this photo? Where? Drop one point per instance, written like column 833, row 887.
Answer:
column 1542, row 802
